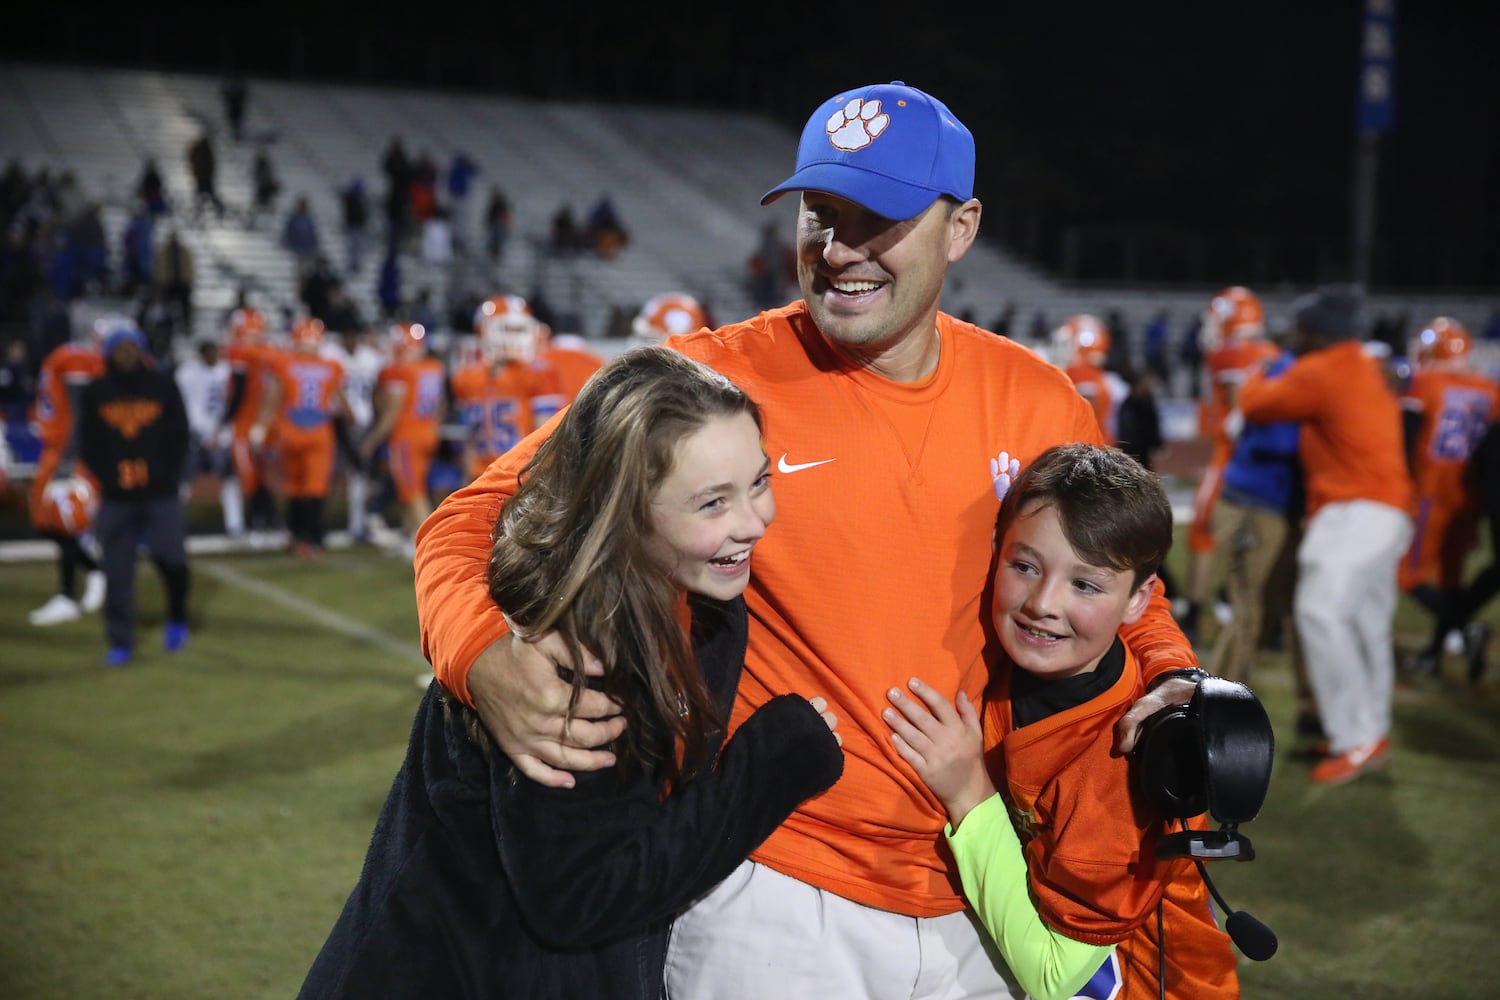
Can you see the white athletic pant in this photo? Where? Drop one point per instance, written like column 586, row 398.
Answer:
column 1345, row 606
column 762, row 934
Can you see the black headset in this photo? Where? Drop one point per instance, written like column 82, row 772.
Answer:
column 1211, row 756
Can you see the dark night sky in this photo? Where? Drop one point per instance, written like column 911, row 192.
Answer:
column 1228, row 127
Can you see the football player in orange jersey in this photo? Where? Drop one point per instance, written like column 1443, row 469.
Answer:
column 410, row 401
column 1234, row 342
column 64, row 373
column 1080, row 346
column 1448, row 406
column 519, row 381
column 249, row 355
column 303, row 399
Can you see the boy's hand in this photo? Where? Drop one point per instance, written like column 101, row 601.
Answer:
column 944, row 744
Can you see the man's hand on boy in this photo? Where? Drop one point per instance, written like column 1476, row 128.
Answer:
column 943, row 743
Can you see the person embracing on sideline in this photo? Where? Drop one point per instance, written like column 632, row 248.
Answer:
column 1359, row 498
column 893, row 428
column 633, row 535
column 133, row 434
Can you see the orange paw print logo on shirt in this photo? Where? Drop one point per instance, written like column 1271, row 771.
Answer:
column 856, row 125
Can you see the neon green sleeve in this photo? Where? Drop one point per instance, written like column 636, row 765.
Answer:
column 1048, row 965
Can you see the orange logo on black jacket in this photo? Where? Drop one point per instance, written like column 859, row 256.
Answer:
column 128, row 416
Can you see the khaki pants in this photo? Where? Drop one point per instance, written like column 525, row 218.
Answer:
column 1249, row 539
column 763, row 934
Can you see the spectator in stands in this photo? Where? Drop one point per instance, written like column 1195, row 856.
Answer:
column 389, row 288
column 265, row 185
column 91, row 252
column 496, row 223
column 314, row 285
column 235, row 93
column 1138, row 419
column 203, row 164
column 1358, row 526
column 151, row 190
column 437, row 237
column 1491, row 330
column 356, row 209
column 424, row 183
column 1003, row 322
column 461, row 172
column 421, row 311
column 772, row 267
column 1157, row 333
column 396, row 166
column 1039, row 332
column 1190, row 353
column 172, row 277
column 136, row 243
column 566, row 238
column 1121, row 342
column 300, row 235
column 17, row 386
column 603, row 231
column 340, row 314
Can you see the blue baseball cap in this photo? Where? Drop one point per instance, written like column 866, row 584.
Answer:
column 889, row 147
column 114, row 332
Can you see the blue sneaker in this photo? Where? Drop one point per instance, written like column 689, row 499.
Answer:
column 118, row 656
column 174, row 636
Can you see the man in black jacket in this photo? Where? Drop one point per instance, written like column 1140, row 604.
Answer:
column 133, row 434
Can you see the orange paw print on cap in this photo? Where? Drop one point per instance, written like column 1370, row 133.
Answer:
column 856, row 124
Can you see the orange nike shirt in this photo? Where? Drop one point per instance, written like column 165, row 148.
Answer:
column 873, row 572
column 1351, row 425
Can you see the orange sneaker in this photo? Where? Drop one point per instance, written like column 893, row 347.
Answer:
column 1350, row 764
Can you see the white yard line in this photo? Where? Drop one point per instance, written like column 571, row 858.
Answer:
column 310, row 609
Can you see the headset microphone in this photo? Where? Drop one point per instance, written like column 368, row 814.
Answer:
column 1212, row 756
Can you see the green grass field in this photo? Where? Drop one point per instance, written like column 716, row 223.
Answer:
column 190, row 826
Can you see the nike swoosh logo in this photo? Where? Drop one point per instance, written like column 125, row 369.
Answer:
column 782, row 466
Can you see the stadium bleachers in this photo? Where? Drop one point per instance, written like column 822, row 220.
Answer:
column 686, row 182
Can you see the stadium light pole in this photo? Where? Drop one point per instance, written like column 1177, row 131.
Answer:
column 1373, row 118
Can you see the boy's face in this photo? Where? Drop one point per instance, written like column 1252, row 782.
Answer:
column 1056, row 614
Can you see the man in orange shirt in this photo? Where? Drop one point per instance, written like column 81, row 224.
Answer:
column 1449, row 406
column 410, row 400
column 303, row 398
column 1359, row 497
column 894, row 429
column 65, row 371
